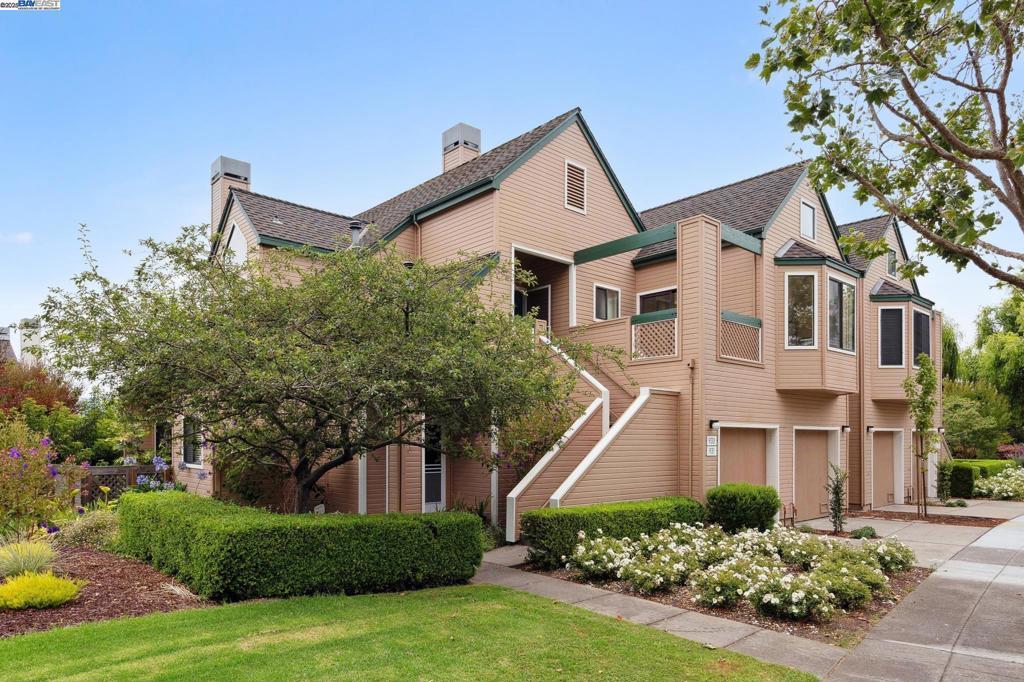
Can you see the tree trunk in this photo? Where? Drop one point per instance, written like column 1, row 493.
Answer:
column 302, row 497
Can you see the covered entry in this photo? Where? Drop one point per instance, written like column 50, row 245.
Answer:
column 548, row 293
column 884, row 464
column 813, row 450
column 742, row 456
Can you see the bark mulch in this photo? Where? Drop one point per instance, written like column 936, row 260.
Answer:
column 943, row 519
column 845, row 629
column 117, row 587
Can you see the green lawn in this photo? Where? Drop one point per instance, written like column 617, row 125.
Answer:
column 458, row 633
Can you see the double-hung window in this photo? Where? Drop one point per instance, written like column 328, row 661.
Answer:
column 922, row 334
column 890, row 263
column 191, row 448
column 801, row 312
column 890, row 337
column 606, row 302
column 842, row 314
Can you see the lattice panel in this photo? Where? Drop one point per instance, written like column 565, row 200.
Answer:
column 654, row 339
column 741, row 341
column 117, row 482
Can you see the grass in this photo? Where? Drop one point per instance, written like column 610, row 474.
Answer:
column 471, row 632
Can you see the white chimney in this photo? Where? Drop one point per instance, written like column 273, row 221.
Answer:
column 225, row 173
column 459, row 144
column 31, row 339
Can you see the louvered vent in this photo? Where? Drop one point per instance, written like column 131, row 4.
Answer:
column 575, row 187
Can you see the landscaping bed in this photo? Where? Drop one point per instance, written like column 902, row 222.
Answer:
column 942, row 519
column 115, row 586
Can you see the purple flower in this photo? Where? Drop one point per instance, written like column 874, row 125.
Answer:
column 168, row 485
column 159, row 464
column 46, row 442
column 85, row 465
column 52, row 470
column 52, row 529
column 182, row 466
column 154, row 484
column 141, row 479
column 201, row 475
column 80, row 510
column 13, row 453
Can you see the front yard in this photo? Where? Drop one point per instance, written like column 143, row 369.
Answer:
column 468, row 632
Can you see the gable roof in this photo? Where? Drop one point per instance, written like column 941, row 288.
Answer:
column 276, row 220
column 748, row 205
column 871, row 228
column 795, row 249
column 884, row 287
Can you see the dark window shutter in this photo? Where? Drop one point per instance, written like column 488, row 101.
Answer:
column 890, row 330
column 922, row 335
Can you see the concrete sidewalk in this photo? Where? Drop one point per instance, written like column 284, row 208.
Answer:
column 993, row 509
column 774, row 647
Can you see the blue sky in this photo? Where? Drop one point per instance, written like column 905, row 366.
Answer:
column 115, row 110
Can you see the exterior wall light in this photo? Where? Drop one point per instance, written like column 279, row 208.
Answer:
column 713, row 424
column 846, row 428
column 871, row 429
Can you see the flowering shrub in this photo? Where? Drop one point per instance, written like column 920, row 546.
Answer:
column 803, row 550
column 91, row 529
column 600, row 557
column 792, row 595
column 37, row 591
column 1008, row 484
column 733, row 580
column 871, row 577
column 29, row 487
column 893, row 556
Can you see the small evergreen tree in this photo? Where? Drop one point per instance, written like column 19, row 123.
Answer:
column 836, row 490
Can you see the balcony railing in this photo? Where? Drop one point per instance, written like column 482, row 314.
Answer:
column 655, row 335
column 740, row 337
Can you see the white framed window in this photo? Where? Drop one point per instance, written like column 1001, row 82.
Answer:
column 656, row 300
column 575, row 186
column 606, row 302
column 801, row 310
column 191, row 443
column 890, row 263
column 891, row 337
column 922, row 334
column 842, row 314
column 807, row 220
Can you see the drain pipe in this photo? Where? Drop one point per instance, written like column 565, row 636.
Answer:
column 693, row 399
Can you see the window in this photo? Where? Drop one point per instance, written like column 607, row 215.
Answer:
column 606, row 303
column 191, row 449
column 657, row 300
column 162, row 438
column 890, row 337
column 575, row 187
column 800, row 311
column 806, row 220
column 842, row 314
column 922, row 334
column 890, row 263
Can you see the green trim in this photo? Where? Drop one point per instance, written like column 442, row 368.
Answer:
column 739, row 318
column 833, row 226
column 902, row 298
column 624, row 244
column 656, row 258
column 656, row 316
column 741, row 239
column 288, row 244
column 833, row 263
column 503, row 174
column 894, row 224
column 449, row 200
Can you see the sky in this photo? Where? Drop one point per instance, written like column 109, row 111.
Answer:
column 115, row 110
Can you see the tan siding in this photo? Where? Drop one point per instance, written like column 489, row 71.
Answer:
column 198, row 480
column 467, row 228
column 376, row 482
column 739, row 281
column 656, row 276
column 470, row 482
column 341, row 488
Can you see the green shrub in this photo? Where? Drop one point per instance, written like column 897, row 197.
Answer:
column 805, row 528
column 943, row 473
column 988, row 467
column 224, row 551
column 961, row 480
column 864, row 532
column 37, row 591
column 553, row 533
column 791, row 596
column 847, row 591
column 956, row 503
column 91, row 529
column 735, row 506
column 25, row 557
column 893, row 556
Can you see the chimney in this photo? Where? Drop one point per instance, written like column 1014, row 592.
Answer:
column 6, row 349
column 459, row 144
column 356, row 229
column 225, row 173
column 30, row 341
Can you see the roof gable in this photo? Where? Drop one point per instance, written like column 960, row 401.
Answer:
column 283, row 223
column 876, row 228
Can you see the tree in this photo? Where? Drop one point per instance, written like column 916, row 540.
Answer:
column 911, row 102
column 46, row 386
column 976, row 418
column 355, row 353
column 999, row 357
column 921, row 402
column 950, row 350
column 835, row 489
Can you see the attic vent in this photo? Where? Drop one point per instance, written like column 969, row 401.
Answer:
column 575, row 187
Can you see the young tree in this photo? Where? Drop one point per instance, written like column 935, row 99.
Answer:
column 950, row 350
column 911, row 102
column 355, row 353
column 920, row 390
column 45, row 386
column 836, row 491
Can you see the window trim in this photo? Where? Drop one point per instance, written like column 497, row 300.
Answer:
column 915, row 309
column 828, row 292
column 609, row 287
column 814, row 220
column 785, row 310
column 654, row 291
column 903, row 335
column 198, row 463
column 894, row 275
column 565, row 186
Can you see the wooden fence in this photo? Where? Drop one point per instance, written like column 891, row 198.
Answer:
column 117, row 478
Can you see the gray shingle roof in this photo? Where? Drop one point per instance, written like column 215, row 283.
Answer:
column 801, row 250
column 872, row 228
column 391, row 213
column 292, row 222
column 886, row 288
column 745, row 205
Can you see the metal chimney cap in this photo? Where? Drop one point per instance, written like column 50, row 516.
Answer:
column 460, row 134
column 224, row 165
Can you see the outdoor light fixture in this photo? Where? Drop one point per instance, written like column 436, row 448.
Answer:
column 942, row 429
column 713, row 424
column 871, row 429
column 846, row 428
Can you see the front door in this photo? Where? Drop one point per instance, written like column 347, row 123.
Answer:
column 811, row 474
column 882, row 469
column 433, row 469
column 741, row 457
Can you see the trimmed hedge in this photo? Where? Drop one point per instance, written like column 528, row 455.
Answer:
column 224, row 551
column 961, row 480
column 553, row 533
column 735, row 506
column 987, row 467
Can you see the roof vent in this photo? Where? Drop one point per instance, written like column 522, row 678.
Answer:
column 356, row 228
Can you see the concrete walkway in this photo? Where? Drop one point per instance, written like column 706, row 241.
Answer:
column 993, row 509
column 774, row 647
column 966, row 621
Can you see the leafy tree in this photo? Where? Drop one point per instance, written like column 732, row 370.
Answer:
column 920, row 389
column 911, row 102
column 976, row 418
column 356, row 353
column 999, row 358
column 46, row 386
column 950, row 350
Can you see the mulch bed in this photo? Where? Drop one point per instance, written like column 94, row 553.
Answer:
column 845, row 629
column 943, row 519
column 117, row 587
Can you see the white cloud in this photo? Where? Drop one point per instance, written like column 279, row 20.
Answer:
column 15, row 237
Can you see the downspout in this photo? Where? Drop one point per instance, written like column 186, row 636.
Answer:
column 693, row 400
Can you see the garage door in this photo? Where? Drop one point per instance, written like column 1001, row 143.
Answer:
column 811, row 474
column 741, row 456
column 882, row 468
